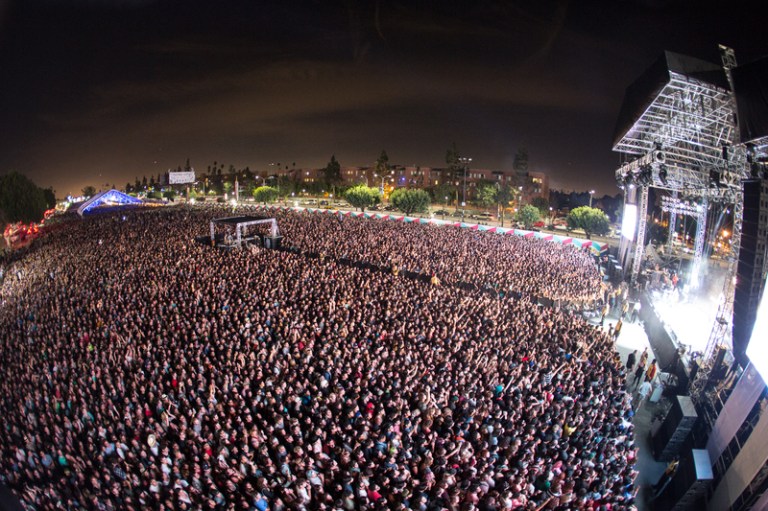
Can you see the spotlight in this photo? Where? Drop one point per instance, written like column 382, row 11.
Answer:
column 663, row 174
column 645, row 176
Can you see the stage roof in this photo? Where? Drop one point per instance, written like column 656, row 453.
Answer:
column 641, row 95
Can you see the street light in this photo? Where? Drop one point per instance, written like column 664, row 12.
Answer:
column 591, row 193
column 465, row 163
column 499, row 205
column 383, row 178
column 463, row 205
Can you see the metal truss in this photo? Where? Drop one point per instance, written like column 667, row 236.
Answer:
column 685, row 134
column 642, row 209
column 698, row 211
column 672, row 220
column 759, row 149
column 698, row 247
column 686, row 141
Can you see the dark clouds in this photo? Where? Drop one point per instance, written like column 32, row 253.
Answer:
column 101, row 91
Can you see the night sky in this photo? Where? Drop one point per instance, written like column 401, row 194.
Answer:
column 103, row 91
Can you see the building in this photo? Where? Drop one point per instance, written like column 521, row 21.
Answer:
column 531, row 184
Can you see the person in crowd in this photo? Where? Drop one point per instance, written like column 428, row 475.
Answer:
column 155, row 372
column 639, row 375
column 650, row 374
column 631, row 358
column 644, row 357
column 642, row 394
column 666, row 477
column 617, row 329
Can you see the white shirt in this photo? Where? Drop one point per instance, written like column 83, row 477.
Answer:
column 644, row 390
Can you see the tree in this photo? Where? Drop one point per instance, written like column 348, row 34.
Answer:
column 486, row 195
column 528, row 215
column 227, row 187
column 452, row 160
column 590, row 220
column 362, row 196
column 170, row 195
column 265, row 194
column 410, row 200
column 50, row 197
column 382, row 163
column 89, row 191
column 20, row 199
column 504, row 195
column 332, row 172
column 520, row 163
column 541, row 204
column 440, row 192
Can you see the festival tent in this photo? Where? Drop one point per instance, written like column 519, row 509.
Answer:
column 108, row 198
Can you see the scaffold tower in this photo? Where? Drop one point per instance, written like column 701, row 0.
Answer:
column 677, row 131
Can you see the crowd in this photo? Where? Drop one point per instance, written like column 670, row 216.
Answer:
column 143, row 370
column 457, row 256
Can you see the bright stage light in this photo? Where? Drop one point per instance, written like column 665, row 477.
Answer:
column 757, row 349
column 629, row 221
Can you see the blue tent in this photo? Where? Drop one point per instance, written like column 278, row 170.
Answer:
column 110, row 197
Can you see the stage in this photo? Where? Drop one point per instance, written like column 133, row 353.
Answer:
column 680, row 320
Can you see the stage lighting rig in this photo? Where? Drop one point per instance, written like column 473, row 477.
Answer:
column 645, row 176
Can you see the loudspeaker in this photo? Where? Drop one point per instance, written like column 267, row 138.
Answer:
column 675, row 429
column 691, row 481
column 746, row 293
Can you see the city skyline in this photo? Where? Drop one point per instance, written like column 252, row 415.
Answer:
column 105, row 91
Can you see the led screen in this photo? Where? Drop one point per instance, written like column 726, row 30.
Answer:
column 628, row 222
column 757, row 349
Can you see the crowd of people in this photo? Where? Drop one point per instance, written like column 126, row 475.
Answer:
column 457, row 256
column 144, row 370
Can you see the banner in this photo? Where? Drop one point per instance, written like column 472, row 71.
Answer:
column 180, row 178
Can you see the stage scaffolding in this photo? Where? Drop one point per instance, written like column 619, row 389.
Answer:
column 241, row 224
column 677, row 131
